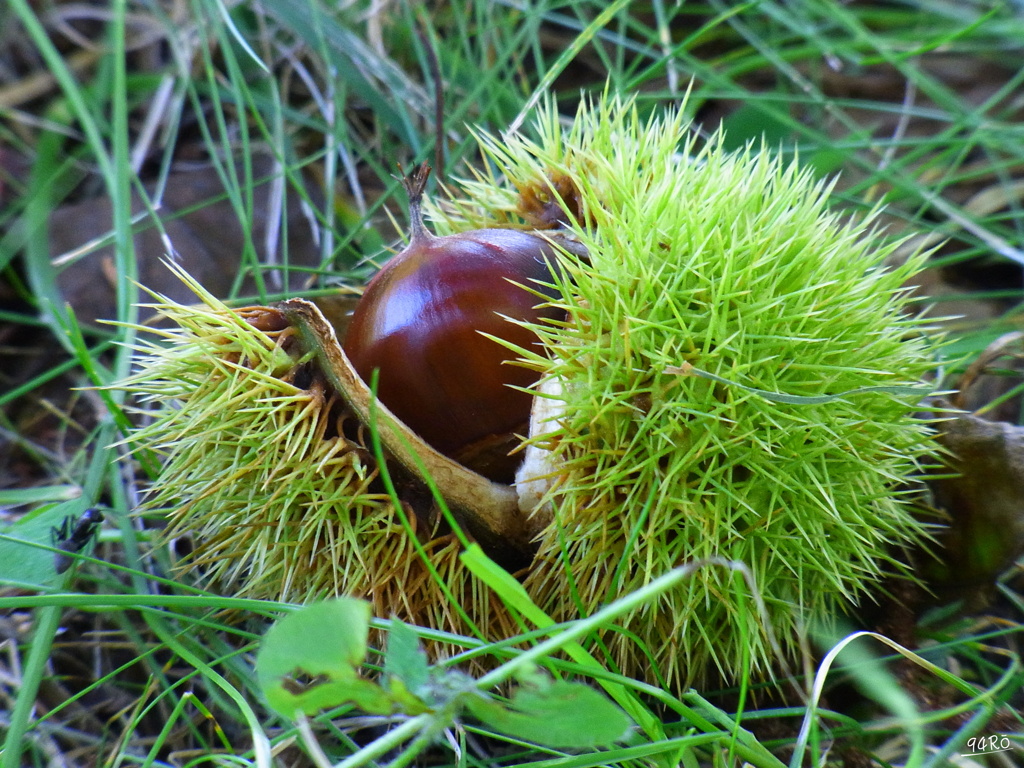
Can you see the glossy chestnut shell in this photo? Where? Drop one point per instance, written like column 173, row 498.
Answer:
column 420, row 324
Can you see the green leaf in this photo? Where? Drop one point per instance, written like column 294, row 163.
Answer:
column 25, row 560
column 562, row 715
column 39, row 495
column 310, row 659
column 405, row 660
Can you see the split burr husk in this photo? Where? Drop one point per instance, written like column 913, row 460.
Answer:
column 264, row 432
column 737, row 378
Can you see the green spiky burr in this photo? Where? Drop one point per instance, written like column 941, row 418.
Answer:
column 737, row 378
column 267, row 466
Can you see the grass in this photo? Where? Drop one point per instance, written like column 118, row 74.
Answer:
column 311, row 107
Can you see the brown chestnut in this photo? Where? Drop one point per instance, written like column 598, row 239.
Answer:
column 421, row 324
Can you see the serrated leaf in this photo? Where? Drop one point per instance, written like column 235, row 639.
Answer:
column 310, row 660
column 562, row 715
column 405, row 659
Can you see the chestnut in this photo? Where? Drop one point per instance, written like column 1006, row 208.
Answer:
column 423, row 324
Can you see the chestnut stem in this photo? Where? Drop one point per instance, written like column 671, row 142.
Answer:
column 415, row 183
